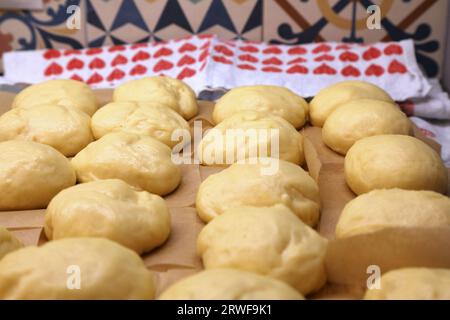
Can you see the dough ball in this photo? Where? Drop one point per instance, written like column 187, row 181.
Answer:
column 111, row 209
column 8, row 242
column 358, row 119
column 249, row 185
column 394, row 161
column 100, row 268
column 164, row 90
column 66, row 129
column 68, row 93
column 145, row 118
column 412, row 284
column 332, row 97
column 229, row 284
column 251, row 134
column 269, row 241
column 386, row 208
column 274, row 100
column 141, row 161
column 31, row 174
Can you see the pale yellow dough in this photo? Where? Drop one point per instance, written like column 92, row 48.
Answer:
column 247, row 185
column 251, row 134
column 66, row 129
column 141, row 161
column 386, row 208
column 111, row 209
column 31, row 174
column 394, row 161
column 106, row 269
column 146, row 118
column 269, row 241
column 164, row 90
column 413, row 284
column 68, row 93
column 8, row 242
column 274, row 100
column 358, row 119
column 332, row 97
column 229, row 284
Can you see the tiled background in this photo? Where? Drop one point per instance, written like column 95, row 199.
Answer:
column 280, row 21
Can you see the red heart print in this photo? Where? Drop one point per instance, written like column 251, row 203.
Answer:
column 297, row 69
column 222, row 60
column 163, row 52
column 186, row 73
column 75, row 64
column 246, row 66
column 249, row 48
column 272, row 50
column 397, row 67
column 271, row 69
column 224, row 50
column 116, row 48
column 205, row 45
column 348, row 56
column 297, row 50
column 205, row 36
column 274, row 61
column 118, row 60
column 324, row 69
column 116, row 74
column 69, row 52
column 140, row 56
column 248, row 58
column 322, row 48
column 187, row 47
column 93, row 51
column 324, row 57
column 375, row 70
column 350, row 71
column 95, row 78
column 138, row 70
column 162, row 65
column 186, row 59
column 76, row 78
column 97, row 63
column 371, row 53
column 203, row 55
column 51, row 54
column 297, row 60
column 53, row 68
column 139, row 45
column 343, row 47
column 393, row 49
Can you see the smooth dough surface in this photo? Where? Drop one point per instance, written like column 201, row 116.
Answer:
column 394, row 161
column 229, row 284
column 274, row 100
column 269, row 241
column 413, row 284
column 107, row 270
column 66, row 129
column 164, row 90
column 141, row 161
column 330, row 98
column 246, row 185
column 253, row 134
column 385, row 208
column 358, row 119
column 8, row 242
column 64, row 92
column 31, row 174
column 111, row 209
column 146, row 118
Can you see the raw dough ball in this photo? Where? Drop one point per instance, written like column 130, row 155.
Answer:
column 358, row 119
column 31, row 174
column 145, row 118
column 229, row 284
column 381, row 209
column 141, row 161
column 252, row 135
column 68, row 130
column 394, row 161
column 164, row 90
column 269, row 241
column 106, row 270
column 332, row 97
column 8, row 242
column 274, row 100
column 68, row 93
column 247, row 185
column 112, row 209
column 413, row 284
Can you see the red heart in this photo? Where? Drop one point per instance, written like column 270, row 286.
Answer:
column 75, row 64
column 248, row 58
column 186, row 73
column 350, row 71
column 187, row 47
column 324, row 69
column 273, row 60
column 53, row 68
column 138, row 69
column 140, row 55
column 205, row 45
column 322, row 48
column 224, row 50
column 95, row 78
column 118, row 60
column 271, row 69
column 163, row 52
column 162, row 65
column 324, row 57
column 68, row 52
column 245, row 66
column 139, row 45
column 249, row 48
column 272, row 50
column 76, row 78
column 94, row 51
column 343, row 47
column 297, row 60
column 371, row 53
column 52, row 53
column 375, row 70
column 116, row 48
column 393, row 49
column 298, row 69
column 97, row 63
column 116, row 74
column 185, row 60
column 397, row 67
column 203, row 55
column 222, row 60
column 297, row 50
column 348, row 56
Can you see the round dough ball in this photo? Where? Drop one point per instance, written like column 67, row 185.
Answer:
column 164, row 90
column 251, row 134
column 8, row 242
column 106, row 269
column 248, row 185
column 68, row 93
column 141, row 161
column 358, row 119
column 394, row 161
column 229, row 284
column 144, row 118
column 412, row 284
column 269, row 241
column 31, row 174
column 332, row 97
column 274, row 100
column 111, row 209
column 386, row 208
column 68, row 130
